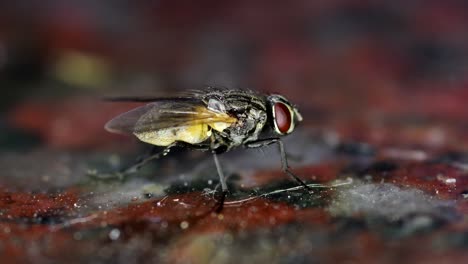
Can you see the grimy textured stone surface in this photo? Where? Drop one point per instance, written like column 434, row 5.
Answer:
column 382, row 88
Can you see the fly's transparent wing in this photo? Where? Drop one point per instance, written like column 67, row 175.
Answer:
column 168, row 113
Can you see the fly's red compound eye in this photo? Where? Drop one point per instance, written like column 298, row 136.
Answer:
column 282, row 117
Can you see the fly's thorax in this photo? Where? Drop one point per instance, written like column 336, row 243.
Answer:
column 246, row 107
column 248, row 127
column 282, row 115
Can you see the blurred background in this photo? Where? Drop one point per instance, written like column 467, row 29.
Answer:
column 358, row 68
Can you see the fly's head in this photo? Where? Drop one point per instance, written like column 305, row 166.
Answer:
column 284, row 115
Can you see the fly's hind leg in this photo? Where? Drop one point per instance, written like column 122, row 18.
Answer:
column 284, row 159
column 142, row 161
column 133, row 168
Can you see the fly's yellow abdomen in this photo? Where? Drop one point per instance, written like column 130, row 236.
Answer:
column 193, row 134
column 197, row 127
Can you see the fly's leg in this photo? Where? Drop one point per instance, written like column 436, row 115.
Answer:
column 140, row 162
column 284, row 158
column 220, row 196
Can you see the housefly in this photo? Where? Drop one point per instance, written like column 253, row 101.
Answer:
column 212, row 119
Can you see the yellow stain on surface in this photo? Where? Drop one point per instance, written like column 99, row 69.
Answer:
column 82, row 69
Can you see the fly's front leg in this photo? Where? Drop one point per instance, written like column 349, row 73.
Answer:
column 284, row 158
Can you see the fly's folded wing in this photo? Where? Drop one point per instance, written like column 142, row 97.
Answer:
column 165, row 121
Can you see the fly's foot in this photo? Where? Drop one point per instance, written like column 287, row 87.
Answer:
column 220, row 197
column 207, row 192
column 298, row 179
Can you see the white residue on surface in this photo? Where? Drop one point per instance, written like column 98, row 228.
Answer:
column 386, row 200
